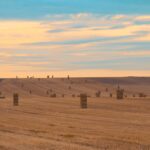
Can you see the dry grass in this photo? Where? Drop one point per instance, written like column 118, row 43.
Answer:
column 45, row 123
column 42, row 123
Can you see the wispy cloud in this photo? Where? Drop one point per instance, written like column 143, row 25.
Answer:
column 76, row 41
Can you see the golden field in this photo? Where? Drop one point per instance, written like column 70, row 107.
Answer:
column 41, row 122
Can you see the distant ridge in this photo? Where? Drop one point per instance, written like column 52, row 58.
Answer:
column 60, row 86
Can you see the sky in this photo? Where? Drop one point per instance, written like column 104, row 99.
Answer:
column 77, row 37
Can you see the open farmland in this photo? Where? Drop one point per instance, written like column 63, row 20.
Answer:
column 41, row 122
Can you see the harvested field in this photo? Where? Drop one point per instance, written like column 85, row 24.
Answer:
column 44, row 123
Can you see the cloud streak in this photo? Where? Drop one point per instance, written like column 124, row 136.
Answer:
column 76, row 41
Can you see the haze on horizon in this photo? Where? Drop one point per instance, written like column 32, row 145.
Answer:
column 80, row 38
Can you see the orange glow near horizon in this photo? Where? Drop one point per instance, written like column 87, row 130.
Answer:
column 79, row 73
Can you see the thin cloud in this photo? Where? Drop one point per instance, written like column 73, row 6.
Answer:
column 75, row 41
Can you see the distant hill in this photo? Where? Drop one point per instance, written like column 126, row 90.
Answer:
column 46, row 87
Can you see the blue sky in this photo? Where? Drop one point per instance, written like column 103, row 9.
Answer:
column 110, row 37
column 37, row 9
